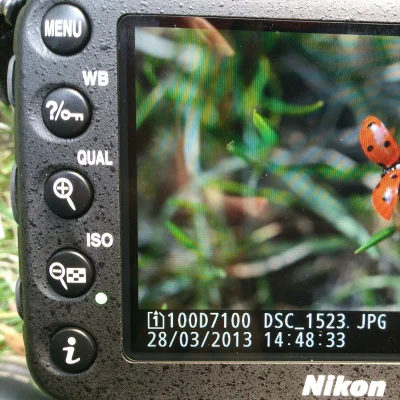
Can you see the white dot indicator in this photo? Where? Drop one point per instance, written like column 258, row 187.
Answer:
column 101, row 298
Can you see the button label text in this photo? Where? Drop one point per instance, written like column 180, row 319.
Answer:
column 93, row 157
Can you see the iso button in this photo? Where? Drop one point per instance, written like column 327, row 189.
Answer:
column 65, row 29
column 68, row 194
column 66, row 113
column 70, row 273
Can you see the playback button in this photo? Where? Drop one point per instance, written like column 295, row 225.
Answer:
column 66, row 113
column 68, row 194
column 70, row 273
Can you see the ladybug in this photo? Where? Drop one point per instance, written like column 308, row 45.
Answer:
column 380, row 147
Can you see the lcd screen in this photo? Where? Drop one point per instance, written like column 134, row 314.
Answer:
column 259, row 189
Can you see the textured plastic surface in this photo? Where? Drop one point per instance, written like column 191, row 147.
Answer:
column 39, row 153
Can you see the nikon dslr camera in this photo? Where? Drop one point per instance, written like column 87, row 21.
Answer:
column 207, row 198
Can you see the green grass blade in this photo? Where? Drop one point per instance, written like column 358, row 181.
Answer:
column 286, row 258
column 253, row 94
column 377, row 238
column 327, row 206
column 278, row 106
column 349, row 174
column 181, row 236
column 341, row 293
column 267, row 132
column 193, row 207
column 149, row 104
column 238, row 150
column 276, row 196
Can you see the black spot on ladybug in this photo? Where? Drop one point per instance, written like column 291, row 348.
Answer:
column 387, row 143
column 386, row 199
column 394, row 176
column 370, row 148
column 370, row 124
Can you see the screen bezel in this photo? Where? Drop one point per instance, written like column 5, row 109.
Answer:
column 128, row 177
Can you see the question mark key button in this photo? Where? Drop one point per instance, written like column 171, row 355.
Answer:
column 66, row 113
column 68, row 194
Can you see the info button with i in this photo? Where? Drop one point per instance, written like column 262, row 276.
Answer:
column 72, row 350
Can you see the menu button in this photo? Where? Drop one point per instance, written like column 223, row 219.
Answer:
column 65, row 29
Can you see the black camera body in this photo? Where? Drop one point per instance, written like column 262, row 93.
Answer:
column 76, row 203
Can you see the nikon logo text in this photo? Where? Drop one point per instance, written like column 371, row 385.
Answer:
column 333, row 386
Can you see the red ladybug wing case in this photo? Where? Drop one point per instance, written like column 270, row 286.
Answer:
column 385, row 195
column 377, row 142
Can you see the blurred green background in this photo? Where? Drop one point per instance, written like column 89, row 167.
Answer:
column 15, row 380
column 254, row 191
column 11, row 342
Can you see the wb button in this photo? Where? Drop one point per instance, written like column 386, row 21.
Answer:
column 68, row 194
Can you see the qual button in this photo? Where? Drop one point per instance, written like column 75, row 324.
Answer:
column 70, row 273
column 66, row 113
column 65, row 29
column 68, row 194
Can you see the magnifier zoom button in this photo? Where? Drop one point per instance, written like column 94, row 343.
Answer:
column 68, row 194
column 70, row 273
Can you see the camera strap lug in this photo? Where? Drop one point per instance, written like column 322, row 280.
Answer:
column 9, row 10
